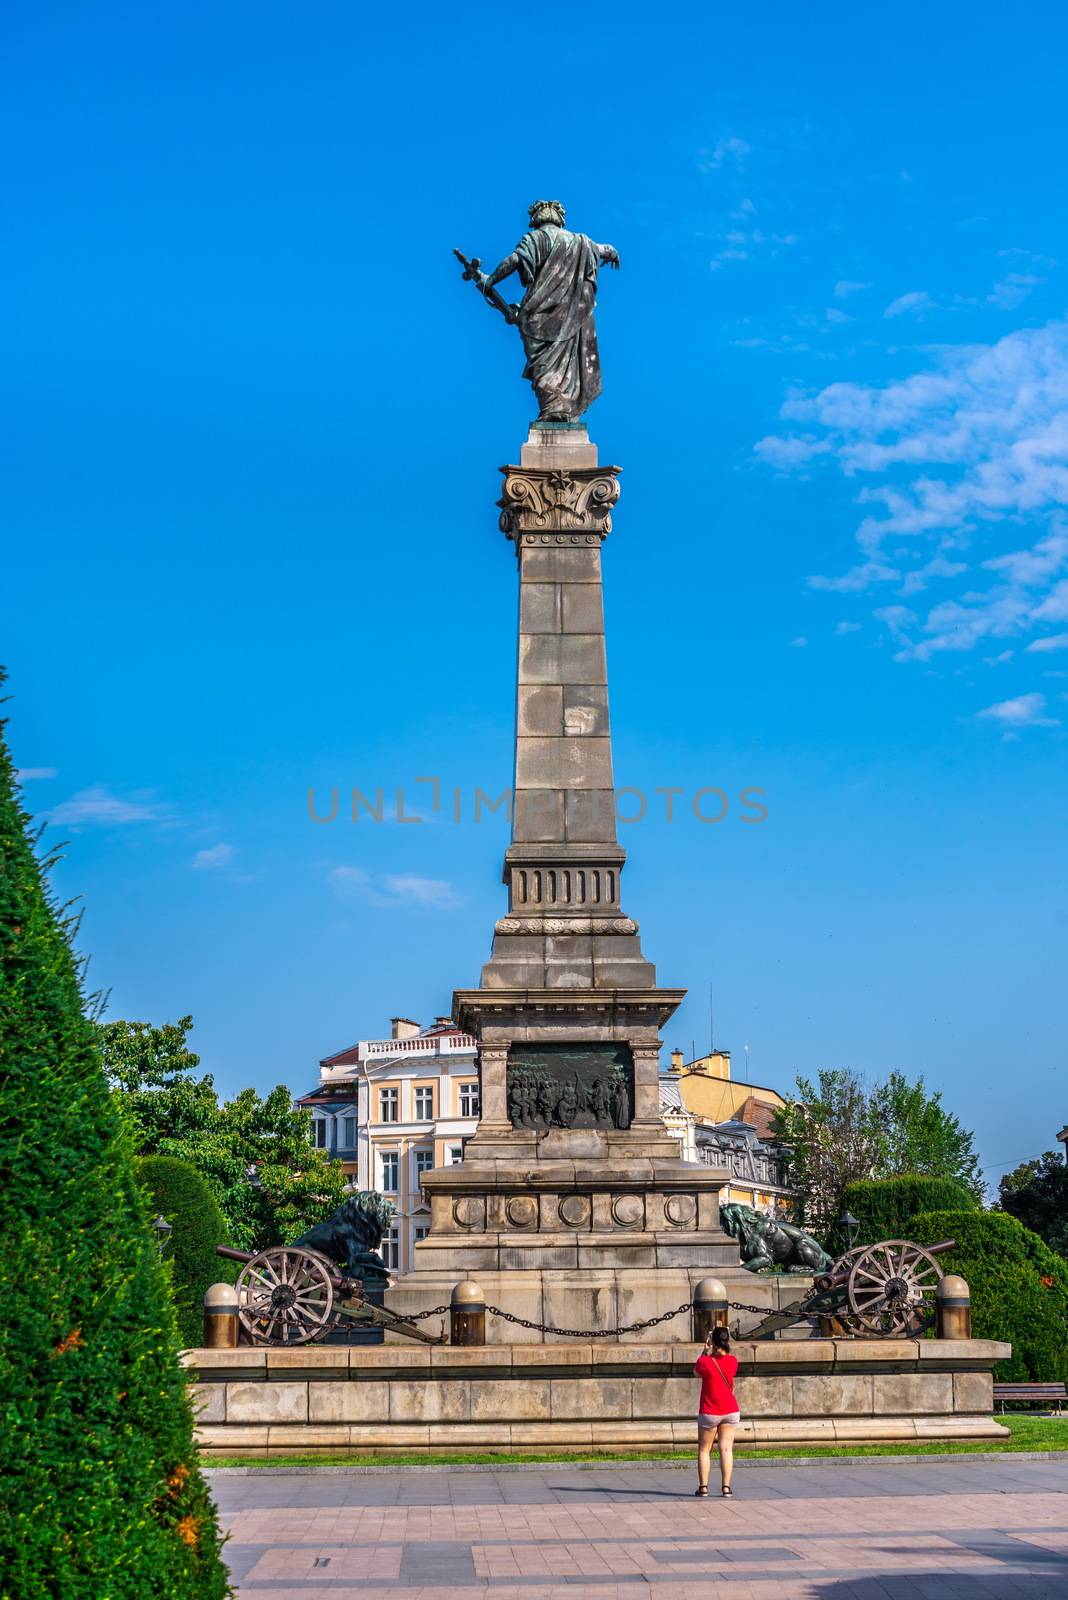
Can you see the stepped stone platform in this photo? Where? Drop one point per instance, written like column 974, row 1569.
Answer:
column 270, row 1402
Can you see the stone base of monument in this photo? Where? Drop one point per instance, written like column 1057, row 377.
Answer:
column 579, row 1396
column 601, row 1299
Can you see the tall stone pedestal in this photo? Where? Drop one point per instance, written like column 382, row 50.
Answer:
column 571, row 1206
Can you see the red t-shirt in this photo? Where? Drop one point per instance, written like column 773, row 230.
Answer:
column 717, row 1375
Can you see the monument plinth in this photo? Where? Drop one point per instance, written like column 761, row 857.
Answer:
column 571, row 1206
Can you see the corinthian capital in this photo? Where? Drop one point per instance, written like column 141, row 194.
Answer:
column 558, row 500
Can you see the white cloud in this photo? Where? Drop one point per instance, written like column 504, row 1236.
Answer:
column 897, row 618
column 915, row 302
column 349, row 877
column 729, row 151
column 97, row 805
column 395, row 889
column 1025, row 711
column 789, row 453
column 845, row 287
column 799, row 643
column 857, row 578
column 847, row 627
column 970, row 449
column 1052, row 641
column 29, row 774
column 1000, row 659
column 220, row 855
column 1012, row 290
column 423, row 891
column 937, row 567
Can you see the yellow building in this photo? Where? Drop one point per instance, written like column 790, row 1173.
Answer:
column 732, row 1128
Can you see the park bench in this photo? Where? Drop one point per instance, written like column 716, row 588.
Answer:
column 1027, row 1394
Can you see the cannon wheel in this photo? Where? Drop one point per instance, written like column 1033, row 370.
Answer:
column 285, row 1296
column 892, row 1288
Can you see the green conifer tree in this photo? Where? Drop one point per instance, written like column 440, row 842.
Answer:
column 100, row 1494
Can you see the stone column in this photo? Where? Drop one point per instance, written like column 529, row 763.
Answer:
column 493, row 1089
column 647, row 1087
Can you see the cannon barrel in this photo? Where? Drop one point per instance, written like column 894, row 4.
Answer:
column 338, row 1282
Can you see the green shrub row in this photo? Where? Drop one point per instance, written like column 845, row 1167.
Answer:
column 1019, row 1287
column 884, row 1207
column 177, row 1192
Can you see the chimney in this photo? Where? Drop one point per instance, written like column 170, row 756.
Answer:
column 403, row 1028
column 676, row 1060
column 444, row 1022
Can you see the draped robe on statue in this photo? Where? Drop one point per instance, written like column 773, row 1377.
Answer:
column 559, row 271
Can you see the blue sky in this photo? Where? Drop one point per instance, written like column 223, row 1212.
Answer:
column 251, row 433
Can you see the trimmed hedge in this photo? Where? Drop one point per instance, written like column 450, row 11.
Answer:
column 885, row 1207
column 100, row 1494
column 1019, row 1287
column 179, row 1193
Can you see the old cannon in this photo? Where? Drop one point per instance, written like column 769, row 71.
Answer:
column 296, row 1293
column 290, row 1295
column 881, row 1291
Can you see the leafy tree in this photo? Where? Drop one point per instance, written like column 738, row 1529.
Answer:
column 179, row 1194
column 837, row 1133
column 832, row 1138
column 100, row 1494
column 1036, row 1193
column 919, row 1136
column 255, row 1153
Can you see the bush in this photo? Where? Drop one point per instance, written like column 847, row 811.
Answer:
column 177, row 1192
column 1019, row 1287
column 885, row 1207
column 100, row 1494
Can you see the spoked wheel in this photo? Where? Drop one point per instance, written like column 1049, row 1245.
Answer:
column 285, row 1296
column 892, row 1289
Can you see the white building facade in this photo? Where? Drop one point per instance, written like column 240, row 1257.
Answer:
column 392, row 1109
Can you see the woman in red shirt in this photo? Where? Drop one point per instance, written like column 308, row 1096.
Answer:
column 718, row 1413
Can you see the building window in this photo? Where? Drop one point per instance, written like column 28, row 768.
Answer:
column 391, row 1250
column 390, row 1171
column 424, row 1162
column 388, row 1105
column 320, row 1136
column 421, row 1231
column 348, row 1133
column 424, row 1104
column 469, row 1100
column 454, row 1154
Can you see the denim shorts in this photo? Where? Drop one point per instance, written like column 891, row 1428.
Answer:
column 706, row 1420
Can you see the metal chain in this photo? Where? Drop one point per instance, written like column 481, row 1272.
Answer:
column 758, row 1311
column 589, row 1333
column 414, row 1316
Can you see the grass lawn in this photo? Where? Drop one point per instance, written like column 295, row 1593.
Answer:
column 1027, row 1433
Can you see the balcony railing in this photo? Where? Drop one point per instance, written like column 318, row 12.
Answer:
column 419, row 1045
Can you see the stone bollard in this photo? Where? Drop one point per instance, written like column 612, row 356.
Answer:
column 467, row 1314
column 709, row 1308
column 954, row 1300
column 220, row 1317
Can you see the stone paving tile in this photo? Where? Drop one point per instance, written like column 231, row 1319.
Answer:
column 869, row 1533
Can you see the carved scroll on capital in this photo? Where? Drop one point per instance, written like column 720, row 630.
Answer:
column 578, row 500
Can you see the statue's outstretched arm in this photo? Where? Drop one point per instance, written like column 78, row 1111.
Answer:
column 609, row 253
column 509, row 265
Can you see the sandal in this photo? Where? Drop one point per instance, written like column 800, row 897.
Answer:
column 726, row 1490
column 701, row 1493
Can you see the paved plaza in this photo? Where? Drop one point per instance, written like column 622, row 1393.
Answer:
column 860, row 1530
